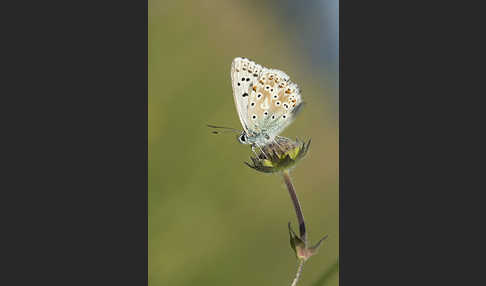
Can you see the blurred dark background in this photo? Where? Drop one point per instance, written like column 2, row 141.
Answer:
column 213, row 220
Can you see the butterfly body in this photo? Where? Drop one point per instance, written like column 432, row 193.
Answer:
column 259, row 139
column 266, row 100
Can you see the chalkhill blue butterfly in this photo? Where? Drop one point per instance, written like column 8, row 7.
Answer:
column 266, row 100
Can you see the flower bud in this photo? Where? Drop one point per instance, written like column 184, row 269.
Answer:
column 279, row 156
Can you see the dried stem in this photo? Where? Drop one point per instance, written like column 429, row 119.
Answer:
column 299, row 272
column 300, row 219
column 298, row 209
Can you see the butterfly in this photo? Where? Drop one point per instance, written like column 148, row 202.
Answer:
column 266, row 100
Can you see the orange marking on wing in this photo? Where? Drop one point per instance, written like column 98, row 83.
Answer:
column 258, row 109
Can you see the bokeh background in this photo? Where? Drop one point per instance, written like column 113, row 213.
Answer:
column 213, row 220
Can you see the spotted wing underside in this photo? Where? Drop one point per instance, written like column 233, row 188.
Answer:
column 266, row 100
column 244, row 75
column 273, row 102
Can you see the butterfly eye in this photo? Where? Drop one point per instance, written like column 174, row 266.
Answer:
column 242, row 138
column 252, row 104
column 273, row 116
column 277, row 103
column 254, row 117
column 275, row 96
column 259, row 95
column 284, row 116
column 265, row 113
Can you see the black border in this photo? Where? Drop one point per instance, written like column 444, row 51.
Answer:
column 405, row 116
column 77, row 155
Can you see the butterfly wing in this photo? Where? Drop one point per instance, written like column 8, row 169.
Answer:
column 244, row 75
column 273, row 103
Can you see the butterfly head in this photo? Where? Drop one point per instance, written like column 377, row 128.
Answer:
column 243, row 138
column 253, row 138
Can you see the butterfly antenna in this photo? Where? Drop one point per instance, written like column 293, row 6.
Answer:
column 223, row 129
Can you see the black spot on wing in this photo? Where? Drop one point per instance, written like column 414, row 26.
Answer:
column 246, row 94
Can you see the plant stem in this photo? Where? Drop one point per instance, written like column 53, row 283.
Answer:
column 299, row 272
column 298, row 209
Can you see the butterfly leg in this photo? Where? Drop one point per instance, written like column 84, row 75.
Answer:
column 279, row 146
column 253, row 150
column 266, row 157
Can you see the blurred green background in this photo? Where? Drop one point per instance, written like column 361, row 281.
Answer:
column 213, row 220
